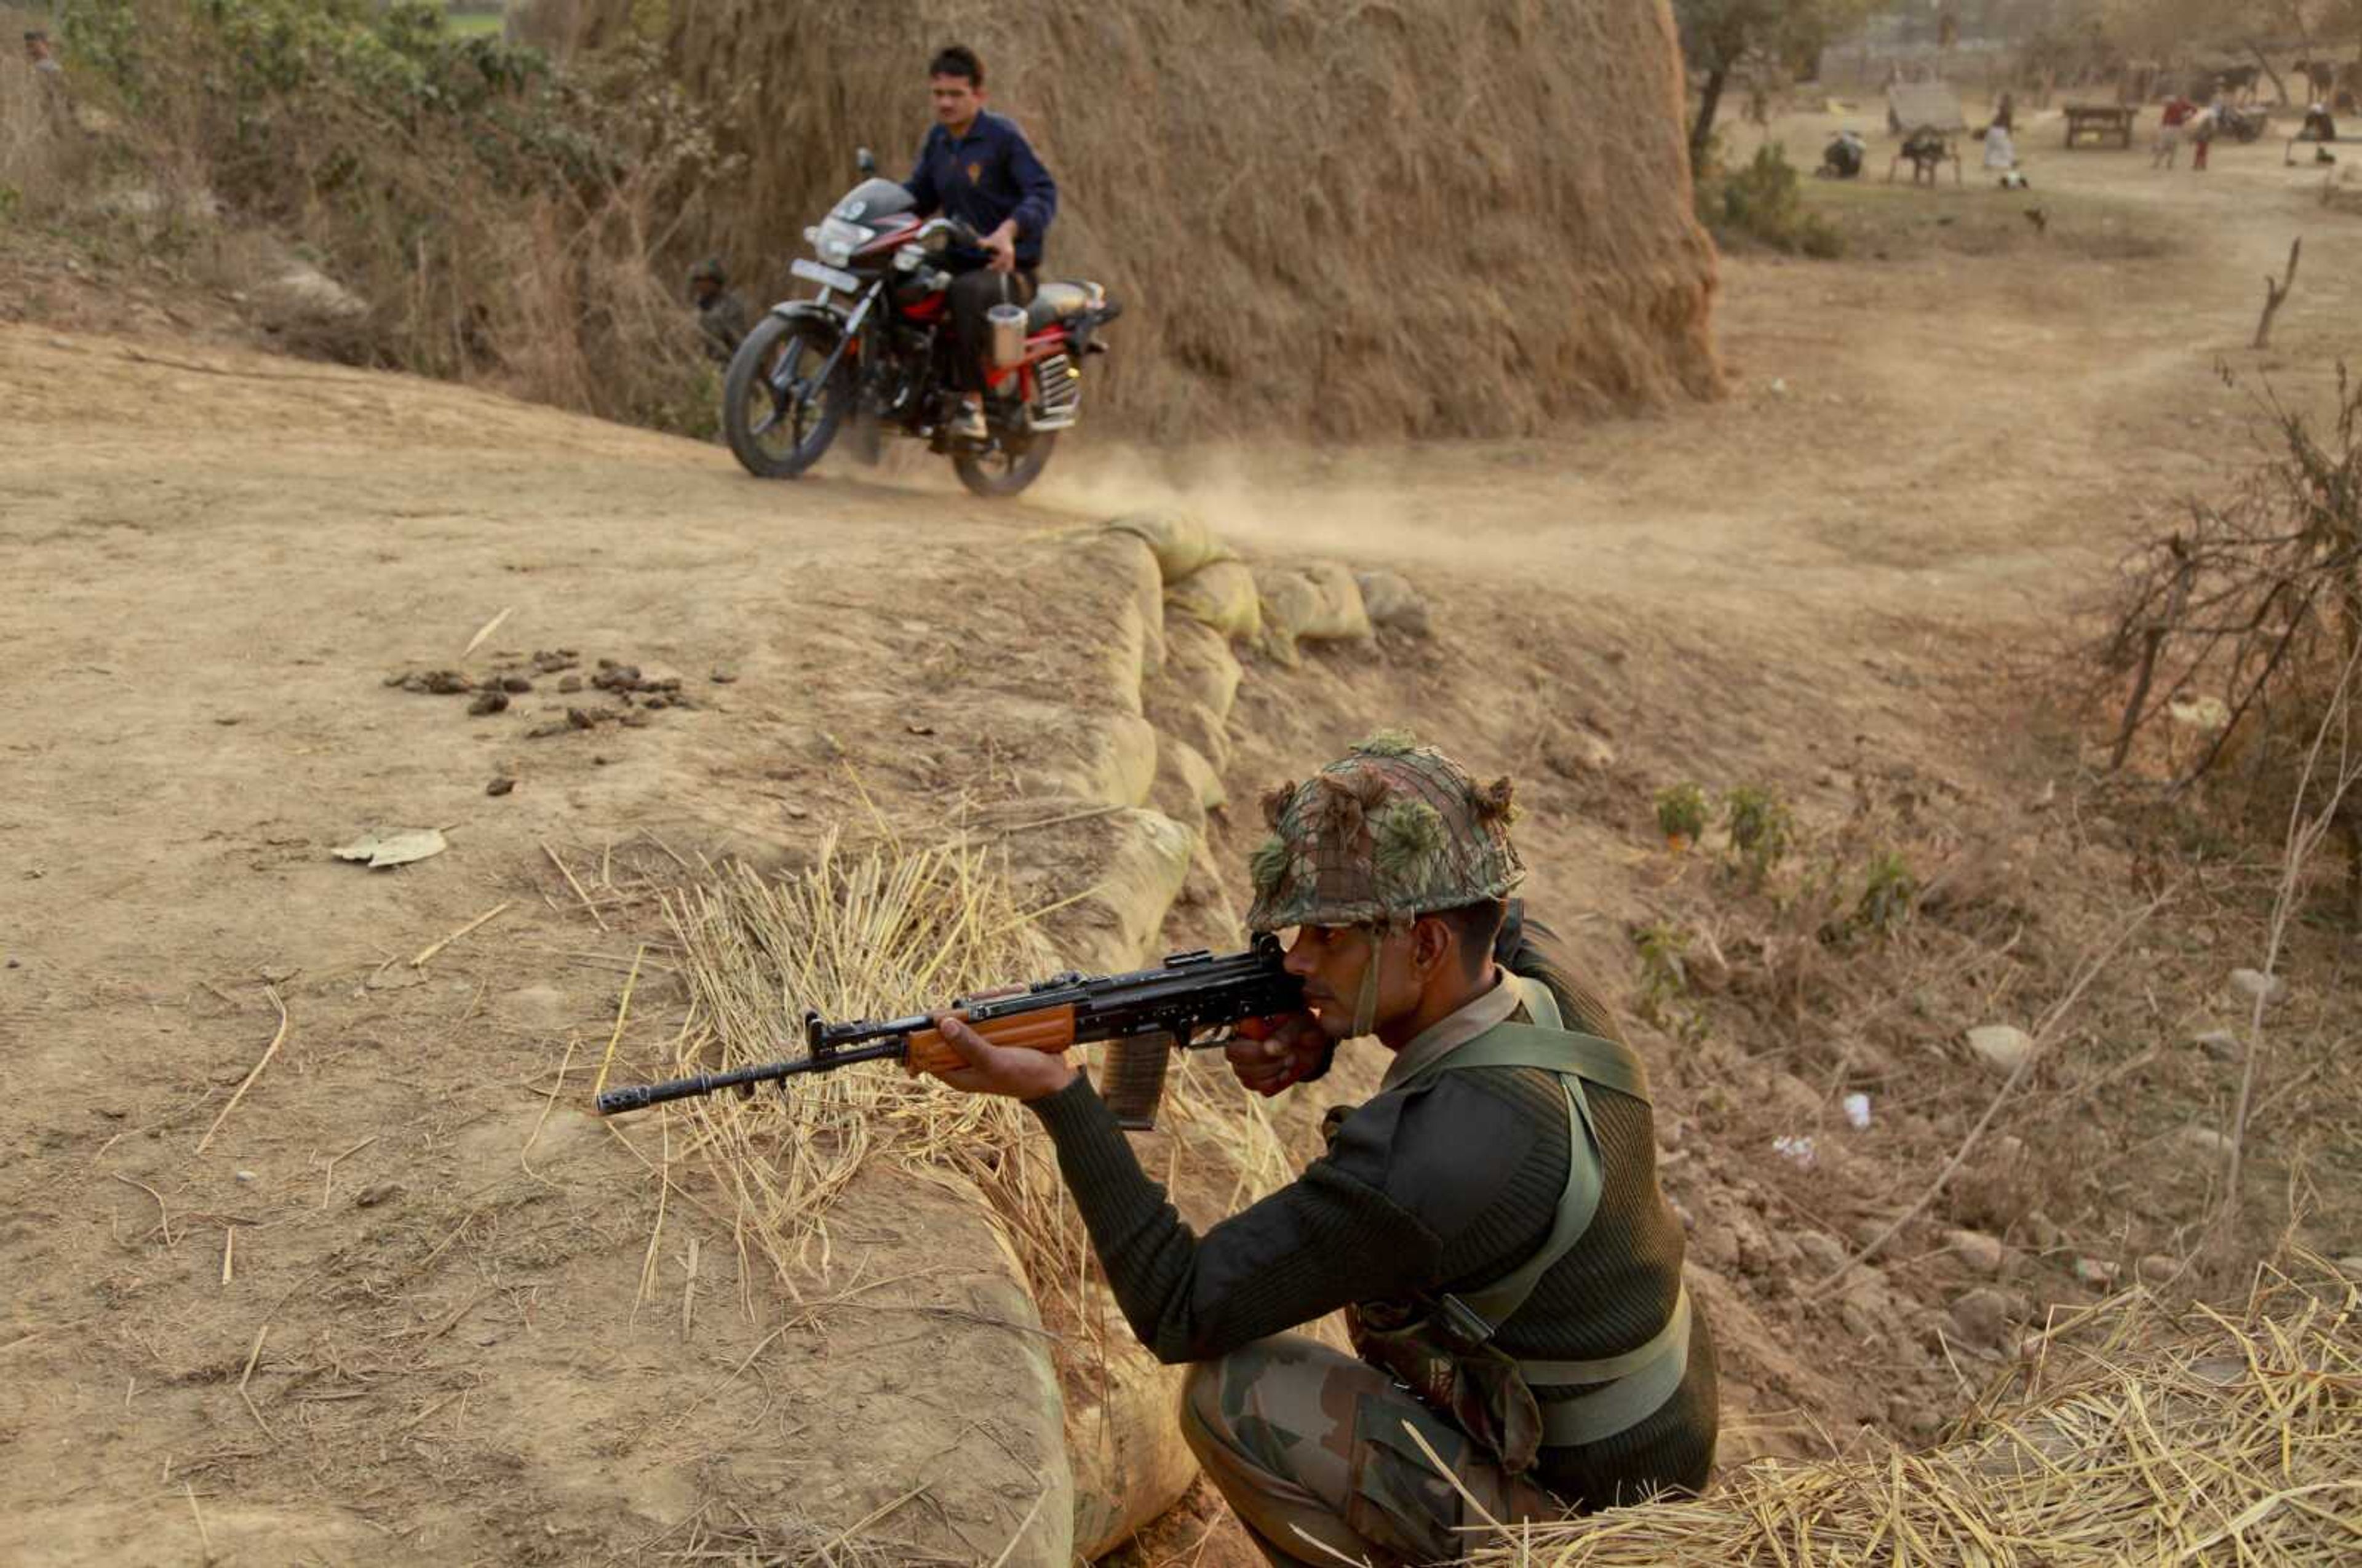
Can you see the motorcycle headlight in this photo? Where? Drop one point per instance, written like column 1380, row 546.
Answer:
column 839, row 239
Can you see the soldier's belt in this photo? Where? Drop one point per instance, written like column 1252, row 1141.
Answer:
column 1637, row 1384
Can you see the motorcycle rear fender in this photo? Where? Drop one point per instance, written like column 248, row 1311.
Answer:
column 1083, row 328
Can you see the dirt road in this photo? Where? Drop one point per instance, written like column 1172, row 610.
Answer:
column 398, row 1308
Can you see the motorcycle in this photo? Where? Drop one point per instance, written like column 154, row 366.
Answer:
column 875, row 346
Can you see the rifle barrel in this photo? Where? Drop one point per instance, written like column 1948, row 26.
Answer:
column 640, row 1096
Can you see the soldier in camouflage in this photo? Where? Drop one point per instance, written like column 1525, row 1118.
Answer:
column 1490, row 1221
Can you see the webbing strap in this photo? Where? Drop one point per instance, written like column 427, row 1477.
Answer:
column 1496, row 1302
column 1602, row 1061
column 1608, row 1369
column 1638, row 1383
column 1541, row 1005
column 1631, row 1398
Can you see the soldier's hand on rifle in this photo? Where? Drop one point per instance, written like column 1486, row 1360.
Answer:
column 996, row 1069
column 1291, row 1052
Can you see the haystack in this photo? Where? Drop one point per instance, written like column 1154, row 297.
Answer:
column 2127, row 1434
column 1440, row 217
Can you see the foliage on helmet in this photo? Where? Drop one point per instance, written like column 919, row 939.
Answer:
column 1268, row 864
column 1388, row 831
column 1406, row 841
column 1387, row 743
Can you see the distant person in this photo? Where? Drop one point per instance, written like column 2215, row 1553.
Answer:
column 2178, row 110
column 1842, row 159
column 2006, row 112
column 2001, row 152
column 2319, row 125
column 721, row 313
column 978, row 167
column 41, row 54
column 2202, row 126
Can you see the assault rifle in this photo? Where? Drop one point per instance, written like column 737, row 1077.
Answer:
column 1148, row 1015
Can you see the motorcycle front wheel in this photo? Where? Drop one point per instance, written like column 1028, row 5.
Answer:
column 777, row 419
column 1000, row 471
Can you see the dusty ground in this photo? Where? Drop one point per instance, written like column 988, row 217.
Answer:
column 443, row 1330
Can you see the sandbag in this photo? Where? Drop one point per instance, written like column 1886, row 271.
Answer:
column 1125, row 764
column 1320, row 603
column 1220, row 594
column 1186, row 785
column 1124, row 1437
column 1138, row 861
column 1181, row 718
column 1181, row 544
column 1141, row 623
column 1391, row 600
column 1200, row 665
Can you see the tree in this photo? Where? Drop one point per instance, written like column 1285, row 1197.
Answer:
column 1720, row 37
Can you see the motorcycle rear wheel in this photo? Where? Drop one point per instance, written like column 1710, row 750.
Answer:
column 778, row 425
column 1001, row 472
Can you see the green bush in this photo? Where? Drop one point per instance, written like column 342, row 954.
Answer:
column 1888, row 895
column 1764, row 202
column 1664, row 974
column 502, row 218
column 1682, row 813
column 1762, row 829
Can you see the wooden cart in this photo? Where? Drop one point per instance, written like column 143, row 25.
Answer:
column 2100, row 125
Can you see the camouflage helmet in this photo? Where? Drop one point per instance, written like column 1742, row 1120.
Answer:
column 1391, row 830
column 709, row 271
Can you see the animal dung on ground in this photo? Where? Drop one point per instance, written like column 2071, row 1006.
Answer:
column 632, row 692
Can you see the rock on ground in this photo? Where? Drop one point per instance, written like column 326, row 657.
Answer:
column 2002, row 1048
column 2254, row 984
column 1983, row 1314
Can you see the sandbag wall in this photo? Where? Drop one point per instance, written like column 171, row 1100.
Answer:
column 1143, row 785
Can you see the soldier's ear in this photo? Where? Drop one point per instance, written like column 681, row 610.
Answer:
column 1431, row 944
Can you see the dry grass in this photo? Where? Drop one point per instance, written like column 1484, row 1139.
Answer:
column 853, row 936
column 2125, row 1435
column 872, row 932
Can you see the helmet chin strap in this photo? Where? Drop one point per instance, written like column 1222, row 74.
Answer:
column 1365, row 1009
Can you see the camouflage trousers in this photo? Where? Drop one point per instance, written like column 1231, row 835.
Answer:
column 1306, row 1442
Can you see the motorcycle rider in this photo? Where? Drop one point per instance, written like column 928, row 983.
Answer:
column 978, row 167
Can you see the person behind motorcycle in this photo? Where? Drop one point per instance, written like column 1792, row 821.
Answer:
column 1842, row 159
column 721, row 315
column 978, row 167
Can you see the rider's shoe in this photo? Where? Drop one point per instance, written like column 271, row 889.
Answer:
column 969, row 424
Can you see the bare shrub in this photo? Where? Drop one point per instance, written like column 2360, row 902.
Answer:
column 498, row 219
column 2238, row 626
column 44, row 157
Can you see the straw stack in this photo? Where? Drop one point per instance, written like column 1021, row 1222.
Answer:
column 2127, row 1435
column 887, row 930
column 862, row 935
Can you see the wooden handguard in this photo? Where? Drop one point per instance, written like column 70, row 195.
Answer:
column 1050, row 1028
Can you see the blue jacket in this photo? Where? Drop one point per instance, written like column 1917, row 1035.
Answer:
column 984, row 179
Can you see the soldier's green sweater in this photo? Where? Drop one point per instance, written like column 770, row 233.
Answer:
column 1446, row 1184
